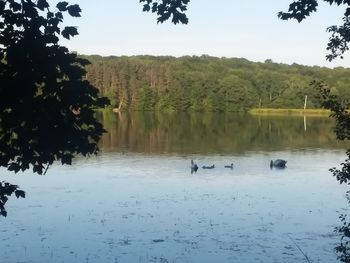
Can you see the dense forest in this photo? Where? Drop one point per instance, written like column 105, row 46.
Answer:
column 206, row 83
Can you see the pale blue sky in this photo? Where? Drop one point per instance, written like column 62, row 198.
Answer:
column 229, row 28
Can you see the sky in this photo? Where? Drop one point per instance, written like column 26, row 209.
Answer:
column 221, row 28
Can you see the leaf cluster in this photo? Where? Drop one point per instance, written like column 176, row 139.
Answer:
column 6, row 190
column 46, row 105
column 343, row 249
column 166, row 9
column 339, row 107
column 339, row 111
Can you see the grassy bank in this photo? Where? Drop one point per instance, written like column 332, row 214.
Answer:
column 254, row 111
column 309, row 112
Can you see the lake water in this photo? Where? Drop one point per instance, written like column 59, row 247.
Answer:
column 138, row 201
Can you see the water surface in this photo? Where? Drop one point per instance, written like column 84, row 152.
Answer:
column 138, row 201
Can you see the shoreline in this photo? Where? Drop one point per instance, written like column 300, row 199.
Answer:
column 293, row 112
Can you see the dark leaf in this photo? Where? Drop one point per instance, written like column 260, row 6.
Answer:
column 38, row 169
column 62, row 6
column 15, row 6
column 69, row 31
column 3, row 213
column 3, row 198
column 347, row 12
column 74, row 10
column 67, row 159
column 146, row 8
column 42, row 4
column 20, row 193
column 14, row 167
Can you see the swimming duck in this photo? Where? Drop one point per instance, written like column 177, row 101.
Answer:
column 194, row 166
column 278, row 163
column 208, row 167
column 229, row 166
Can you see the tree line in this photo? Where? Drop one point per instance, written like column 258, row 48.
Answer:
column 205, row 83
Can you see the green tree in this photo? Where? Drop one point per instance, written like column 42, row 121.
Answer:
column 46, row 106
column 209, row 83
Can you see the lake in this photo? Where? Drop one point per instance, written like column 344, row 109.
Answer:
column 138, row 201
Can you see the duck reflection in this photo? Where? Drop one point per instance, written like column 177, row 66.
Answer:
column 6, row 190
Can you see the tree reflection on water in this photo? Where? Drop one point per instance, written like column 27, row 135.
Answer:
column 215, row 133
column 6, row 190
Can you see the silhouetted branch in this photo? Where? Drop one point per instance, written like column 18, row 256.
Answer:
column 6, row 190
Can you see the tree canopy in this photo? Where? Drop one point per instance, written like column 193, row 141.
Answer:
column 211, row 84
column 46, row 105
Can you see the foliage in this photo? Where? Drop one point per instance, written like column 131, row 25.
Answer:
column 339, row 111
column 166, row 9
column 208, row 83
column 46, row 106
column 6, row 190
column 339, row 107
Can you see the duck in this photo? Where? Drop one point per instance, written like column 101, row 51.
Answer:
column 229, row 166
column 208, row 167
column 278, row 163
column 194, row 166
